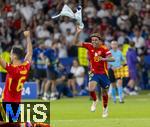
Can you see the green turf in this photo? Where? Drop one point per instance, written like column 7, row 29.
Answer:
column 135, row 112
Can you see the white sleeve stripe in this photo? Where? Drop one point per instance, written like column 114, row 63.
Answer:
column 108, row 52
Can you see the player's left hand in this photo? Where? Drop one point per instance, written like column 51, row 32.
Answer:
column 103, row 59
column 26, row 33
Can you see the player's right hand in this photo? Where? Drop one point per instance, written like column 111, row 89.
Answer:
column 78, row 29
column 26, row 33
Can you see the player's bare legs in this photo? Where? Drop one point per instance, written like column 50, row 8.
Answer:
column 120, row 90
column 105, row 102
column 92, row 86
column 53, row 90
column 72, row 85
column 131, row 85
column 113, row 91
column 40, row 86
column 43, row 86
column 46, row 88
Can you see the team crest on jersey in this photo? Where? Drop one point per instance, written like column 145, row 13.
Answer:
column 96, row 54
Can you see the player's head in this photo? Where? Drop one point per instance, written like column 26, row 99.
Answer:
column 96, row 40
column 17, row 53
column 114, row 45
column 132, row 44
column 54, row 45
column 75, row 62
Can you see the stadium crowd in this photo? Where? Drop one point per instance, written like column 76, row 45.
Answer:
column 122, row 20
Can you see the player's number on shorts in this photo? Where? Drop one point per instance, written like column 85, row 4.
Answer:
column 20, row 84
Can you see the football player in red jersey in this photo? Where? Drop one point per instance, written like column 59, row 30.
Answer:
column 17, row 72
column 98, row 55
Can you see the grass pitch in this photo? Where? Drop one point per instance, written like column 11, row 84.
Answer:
column 135, row 112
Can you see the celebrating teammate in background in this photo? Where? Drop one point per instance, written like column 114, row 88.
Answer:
column 99, row 55
column 115, row 73
column 17, row 72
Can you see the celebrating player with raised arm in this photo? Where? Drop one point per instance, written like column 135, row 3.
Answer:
column 17, row 72
column 99, row 55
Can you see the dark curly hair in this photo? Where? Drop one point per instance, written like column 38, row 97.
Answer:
column 18, row 51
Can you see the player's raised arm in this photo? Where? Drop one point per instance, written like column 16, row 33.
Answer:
column 109, row 59
column 28, row 56
column 2, row 62
column 75, row 40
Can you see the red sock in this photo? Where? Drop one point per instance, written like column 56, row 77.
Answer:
column 105, row 100
column 93, row 95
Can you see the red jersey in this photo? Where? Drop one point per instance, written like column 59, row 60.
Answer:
column 16, row 76
column 95, row 54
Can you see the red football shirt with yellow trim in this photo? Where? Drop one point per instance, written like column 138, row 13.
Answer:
column 16, row 76
column 97, row 66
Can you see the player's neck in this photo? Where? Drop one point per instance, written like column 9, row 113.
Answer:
column 16, row 62
column 100, row 45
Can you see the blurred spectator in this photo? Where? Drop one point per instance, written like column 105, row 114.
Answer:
column 133, row 17
column 27, row 10
column 7, row 7
column 90, row 10
column 42, row 31
column 108, row 5
column 122, row 37
column 62, row 47
column 148, row 44
column 66, row 24
column 137, row 4
column 111, row 19
column 123, row 21
column 139, row 41
column 103, row 25
column 103, row 12
column 61, row 83
column 78, row 74
column 39, row 69
column 51, row 57
column 69, row 37
column 83, row 36
column 146, row 20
